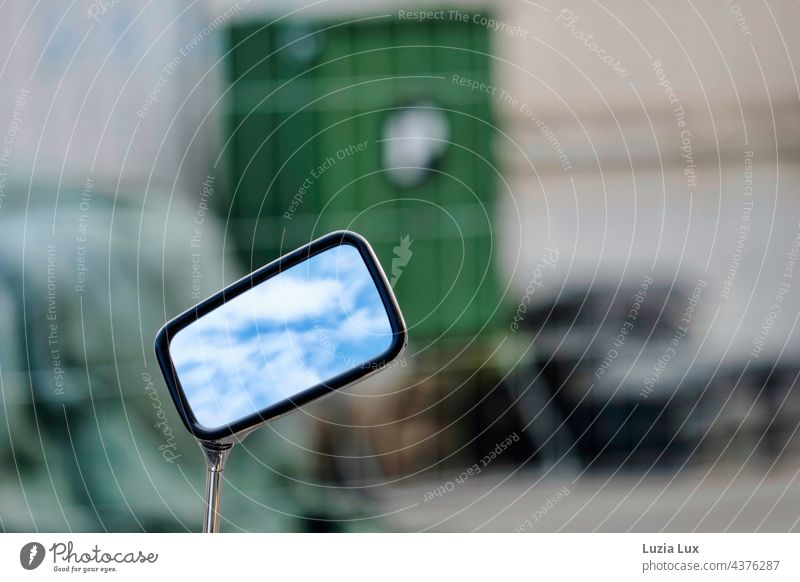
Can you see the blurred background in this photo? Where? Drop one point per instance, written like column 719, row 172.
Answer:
column 589, row 213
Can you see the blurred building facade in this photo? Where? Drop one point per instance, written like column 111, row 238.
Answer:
column 587, row 211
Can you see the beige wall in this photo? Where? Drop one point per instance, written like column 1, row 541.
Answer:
column 622, row 202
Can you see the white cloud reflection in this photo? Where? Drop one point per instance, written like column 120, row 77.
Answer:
column 304, row 326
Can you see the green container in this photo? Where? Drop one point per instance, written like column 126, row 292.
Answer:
column 307, row 117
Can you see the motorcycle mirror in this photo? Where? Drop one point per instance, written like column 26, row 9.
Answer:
column 312, row 322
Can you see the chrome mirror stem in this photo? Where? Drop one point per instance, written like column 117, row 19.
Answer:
column 215, row 454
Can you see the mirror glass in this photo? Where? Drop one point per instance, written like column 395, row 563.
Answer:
column 303, row 327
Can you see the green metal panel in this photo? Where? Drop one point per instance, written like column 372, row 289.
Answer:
column 296, row 105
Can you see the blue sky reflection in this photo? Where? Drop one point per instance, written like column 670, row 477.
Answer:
column 302, row 327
